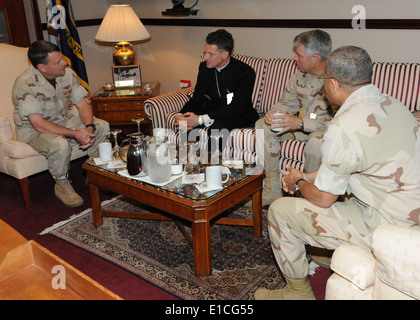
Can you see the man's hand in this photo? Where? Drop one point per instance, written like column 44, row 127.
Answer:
column 85, row 137
column 186, row 121
column 289, row 178
column 309, row 191
column 286, row 121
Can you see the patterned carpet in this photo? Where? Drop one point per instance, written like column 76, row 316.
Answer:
column 158, row 252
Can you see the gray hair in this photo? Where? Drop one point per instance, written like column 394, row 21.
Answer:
column 315, row 42
column 350, row 65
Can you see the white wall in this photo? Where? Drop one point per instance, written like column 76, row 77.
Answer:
column 173, row 52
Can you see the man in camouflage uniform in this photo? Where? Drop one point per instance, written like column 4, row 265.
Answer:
column 306, row 110
column 372, row 150
column 42, row 96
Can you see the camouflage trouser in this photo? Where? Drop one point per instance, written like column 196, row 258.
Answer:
column 268, row 146
column 57, row 148
column 295, row 222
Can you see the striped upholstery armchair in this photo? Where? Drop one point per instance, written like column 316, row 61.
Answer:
column 400, row 80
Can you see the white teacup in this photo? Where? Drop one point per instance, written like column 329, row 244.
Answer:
column 176, row 168
column 214, row 177
column 278, row 129
column 105, row 151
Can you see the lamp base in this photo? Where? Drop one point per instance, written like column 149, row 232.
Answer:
column 124, row 54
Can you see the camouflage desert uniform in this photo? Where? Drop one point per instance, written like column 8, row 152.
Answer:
column 302, row 96
column 32, row 93
column 371, row 149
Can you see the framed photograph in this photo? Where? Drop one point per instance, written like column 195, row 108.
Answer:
column 126, row 76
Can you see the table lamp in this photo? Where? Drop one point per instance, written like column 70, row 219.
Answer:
column 121, row 25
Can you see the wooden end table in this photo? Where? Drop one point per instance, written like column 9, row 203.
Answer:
column 201, row 213
column 119, row 107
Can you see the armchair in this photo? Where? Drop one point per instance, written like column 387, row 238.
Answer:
column 389, row 272
column 17, row 159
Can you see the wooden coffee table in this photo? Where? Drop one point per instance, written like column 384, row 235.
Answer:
column 201, row 213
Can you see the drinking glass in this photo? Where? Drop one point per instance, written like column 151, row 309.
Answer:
column 193, row 162
column 217, row 155
column 137, row 120
column 116, row 148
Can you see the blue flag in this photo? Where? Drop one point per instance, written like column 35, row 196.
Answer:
column 62, row 31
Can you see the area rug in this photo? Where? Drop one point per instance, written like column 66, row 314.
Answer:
column 159, row 253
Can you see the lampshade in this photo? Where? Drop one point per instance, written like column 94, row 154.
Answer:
column 121, row 24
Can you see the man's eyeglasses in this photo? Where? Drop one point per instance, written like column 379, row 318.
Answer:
column 339, row 82
column 326, row 78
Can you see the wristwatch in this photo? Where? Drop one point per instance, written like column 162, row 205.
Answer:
column 297, row 190
column 200, row 120
column 301, row 126
column 91, row 125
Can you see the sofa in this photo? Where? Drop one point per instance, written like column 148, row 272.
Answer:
column 400, row 80
column 390, row 271
column 17, row 159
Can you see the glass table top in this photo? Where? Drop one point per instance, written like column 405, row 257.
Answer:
column 188, row 190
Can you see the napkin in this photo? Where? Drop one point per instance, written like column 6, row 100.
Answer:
column 114, row 164
column 146, row 178
column 202, row 188
column 192, row 178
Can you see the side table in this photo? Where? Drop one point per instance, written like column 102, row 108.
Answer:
column 120, row 106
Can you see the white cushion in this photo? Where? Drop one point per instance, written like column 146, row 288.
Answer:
column 14, row 61
column 18, row 149
column 339, row 288
column 397, row 250
column 6, row 131
column 355, row 264
column 385, row 292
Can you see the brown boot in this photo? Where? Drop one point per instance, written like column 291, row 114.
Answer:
column 296, row 289
column 66, row 194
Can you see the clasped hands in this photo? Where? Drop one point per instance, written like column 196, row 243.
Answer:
column 286, row 121
column 289, row 178
column 186, row 121
column 85, row 137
